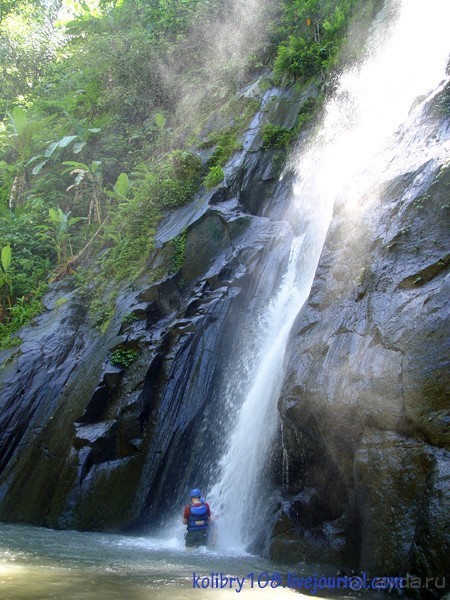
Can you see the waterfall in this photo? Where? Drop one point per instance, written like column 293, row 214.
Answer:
column 369, row 132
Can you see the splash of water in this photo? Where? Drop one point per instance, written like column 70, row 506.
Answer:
column 256, row 424
column 355, row 148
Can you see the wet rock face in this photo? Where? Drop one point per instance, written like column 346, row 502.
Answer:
column 99, row 427
column 105, row 430
column 364, row 406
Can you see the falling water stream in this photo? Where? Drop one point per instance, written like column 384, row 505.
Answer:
column 369, row 133
column 366, row 137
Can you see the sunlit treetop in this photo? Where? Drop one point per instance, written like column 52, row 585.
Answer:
column 72, row 9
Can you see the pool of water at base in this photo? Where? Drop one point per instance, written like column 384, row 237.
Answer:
column 44, row 564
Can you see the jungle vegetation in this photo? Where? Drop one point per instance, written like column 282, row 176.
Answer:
column 103, row 107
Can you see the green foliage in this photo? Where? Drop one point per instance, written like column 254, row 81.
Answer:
column 105, row 92
column 160, row 120
column 125, row 90
column 214, row 177
column 226, row 144
column 89, row 177
column 301, row 58
column 54, row 148
column 8, row 339
column 21, row 134
column 20, row 137
column 24, row 310
column 61, row 301
column 27, row 43
column 178, row 178
column 170, row 182
column 101, row 299
column 124, row 357
column 32, row 256
column 5, row 272
column 179, row 251
column 60, row 223
column 314, row 30
column 6, row 258
column 223, row 152
column 21, row 313
column 121, row 188
column 274, row 136
column 129, row 318
column 308, row 111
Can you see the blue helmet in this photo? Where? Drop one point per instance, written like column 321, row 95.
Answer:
column 196, row 493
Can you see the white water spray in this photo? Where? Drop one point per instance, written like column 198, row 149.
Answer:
column 355, row 149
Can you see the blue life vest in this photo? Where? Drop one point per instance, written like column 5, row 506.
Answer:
column 198, row 517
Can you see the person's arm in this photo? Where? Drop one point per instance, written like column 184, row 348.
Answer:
column 186, row 515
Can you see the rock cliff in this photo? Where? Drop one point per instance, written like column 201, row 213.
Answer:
column 365, row 404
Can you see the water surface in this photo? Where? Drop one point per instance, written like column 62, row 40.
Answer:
column 44, row 564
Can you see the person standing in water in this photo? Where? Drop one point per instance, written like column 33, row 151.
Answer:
column 197, row 516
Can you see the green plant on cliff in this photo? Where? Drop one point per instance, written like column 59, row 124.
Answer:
column 214, row 176
column 129, row 318
column 32, row 255
column 274, row 136
column 313, row 32
column 166, row 183
column 177, row 178
column 14, row 313
column 225, row 142
column 124, row 357
column 179, row 251
column 89, row 179
column 23, row 311
column 58, row 230
column 308, row 111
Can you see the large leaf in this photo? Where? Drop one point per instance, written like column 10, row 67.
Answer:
column 34, row 158
column 38, row 167
column 20, row 119
column 51, row 148
column 66, row 140
column 160, row 120
column 78, row 147
column 74, row 220
column 122, row 185
column 54, row 217
column 73, row 164
column 6, row 257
